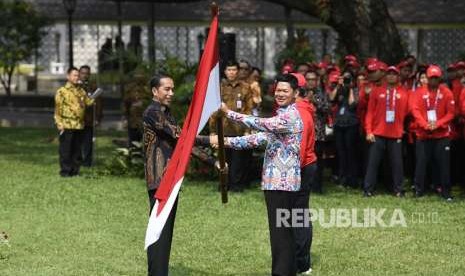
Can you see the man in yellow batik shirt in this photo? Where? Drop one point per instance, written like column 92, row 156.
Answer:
column 70, row 104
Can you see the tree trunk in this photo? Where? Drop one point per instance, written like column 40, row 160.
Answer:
column 5, row 79
column 365, row 27
column 289, row 27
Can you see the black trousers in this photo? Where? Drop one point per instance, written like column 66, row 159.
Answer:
column 239, row 164
column 347, row 153
column 457, row 149
column 317, row 185
column 437, row 152
column 282, row 239
column 87, row 146
column 70, row 152
column 303, row 235
column 409, row 157
column 377, row 150
column 364, row 147
column 158, row 254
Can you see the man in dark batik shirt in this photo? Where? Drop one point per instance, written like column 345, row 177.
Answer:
column 161, row 133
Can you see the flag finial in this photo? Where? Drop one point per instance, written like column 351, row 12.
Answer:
column 214, row 8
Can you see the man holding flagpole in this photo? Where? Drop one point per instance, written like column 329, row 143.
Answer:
column 281, row 176
column 167, row 147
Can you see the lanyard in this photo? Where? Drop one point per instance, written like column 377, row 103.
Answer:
column 388, row 102
column 428, row 104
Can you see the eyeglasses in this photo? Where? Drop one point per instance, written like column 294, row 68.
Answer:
column 244, row 68
column 311, row 79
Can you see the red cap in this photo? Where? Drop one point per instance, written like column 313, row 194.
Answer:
column 460, row 64
column 287, row 68
column 393, row 69
column 451, row 67
column 403, row 63
column 373, row 66
column 370, row 60
column 301, row 81
column 382, row 66
column 333, row 77
column 322, row 65
column 353, row 63
column 350, row 58
column 333, row 68
column 433, row 71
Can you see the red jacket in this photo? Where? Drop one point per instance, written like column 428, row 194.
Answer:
column 444, row 112
column 456, row 126
column 363, row 98
column 461, row 103
column 375, row 120
column 411, row 124
column 307, row 146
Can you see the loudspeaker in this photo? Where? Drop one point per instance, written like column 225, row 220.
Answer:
column 227, row 49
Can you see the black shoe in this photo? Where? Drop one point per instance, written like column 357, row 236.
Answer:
column 399, row 194
column 419, row 194
column 448, row 198
column 65, row 175
column 367, row 194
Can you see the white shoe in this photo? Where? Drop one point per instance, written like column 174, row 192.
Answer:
column 308, row 272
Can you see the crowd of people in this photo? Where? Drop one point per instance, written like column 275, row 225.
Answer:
column 374, row 122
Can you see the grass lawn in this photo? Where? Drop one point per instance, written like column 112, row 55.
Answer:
column 95, row 225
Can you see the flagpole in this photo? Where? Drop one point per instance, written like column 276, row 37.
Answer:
column 219, row 130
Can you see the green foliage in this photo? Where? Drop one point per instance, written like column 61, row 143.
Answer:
column 125, row 161
column 300, row 52
column 21, row 32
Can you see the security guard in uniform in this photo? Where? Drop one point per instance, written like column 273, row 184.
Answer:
column 70, row 104
column 238, row 97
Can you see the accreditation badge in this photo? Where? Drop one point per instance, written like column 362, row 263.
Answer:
column 390, row 116
column 342, row 110
column 431, row 116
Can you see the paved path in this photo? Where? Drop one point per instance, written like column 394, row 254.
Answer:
column 37, row 117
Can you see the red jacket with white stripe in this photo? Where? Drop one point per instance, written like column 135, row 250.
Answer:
column 445, row 110
column 375, row 120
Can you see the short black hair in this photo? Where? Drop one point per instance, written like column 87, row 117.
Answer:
column 256, row 69
column 410, row 56
column 155, row 80
column 84, row 67
column 71, row 69
column 289, row 78
column 304, row 64
column 244, row 61
column 302, row 92
column 232, row 63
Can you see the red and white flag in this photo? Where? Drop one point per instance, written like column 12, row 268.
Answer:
column 205, row 101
